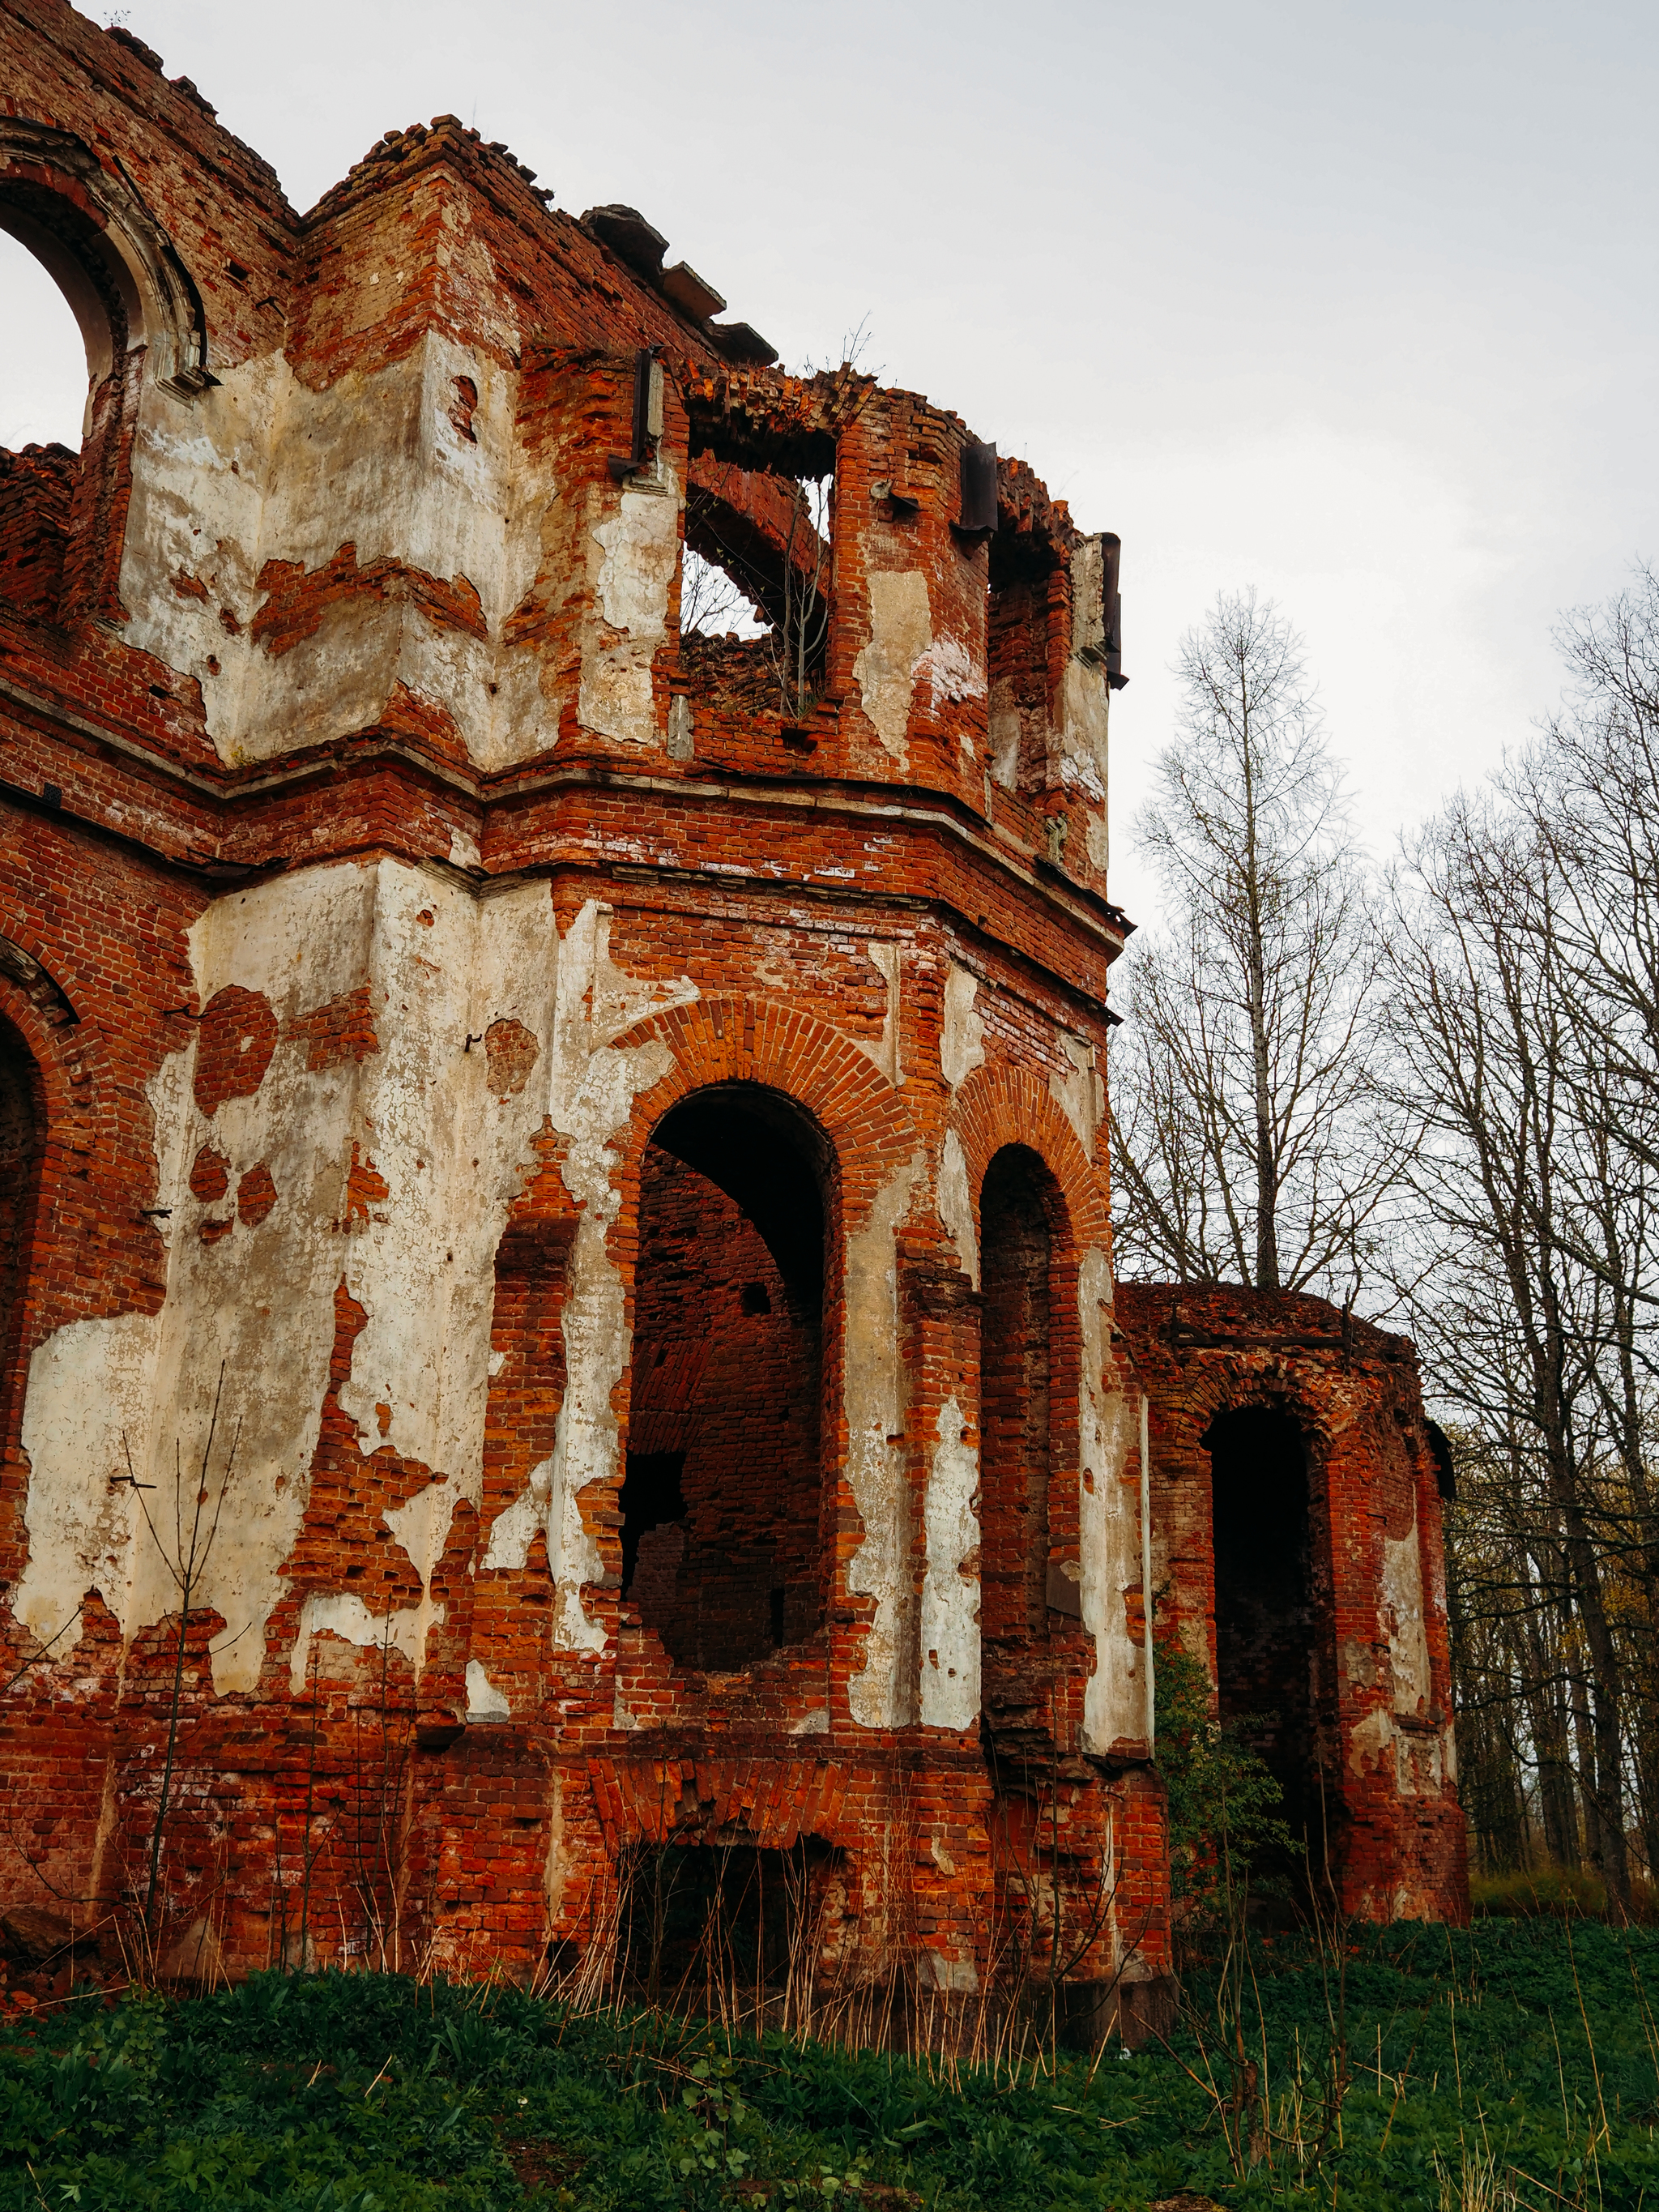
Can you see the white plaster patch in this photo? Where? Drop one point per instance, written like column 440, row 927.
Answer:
column 901, row 637
column 962, row 1036
column 950, row 1597
column 263, row 468
column 1108, row 1521
column 437, row 963
column 591, row 1089
column 952, row 672
column 89, row 1385
column 955, row 1206
column 1080, row 1094
column 1402, row 1612
column 640, row 544
column 342, row 1614
column 883, row 1695
column 484, row 1702
column 889, row 960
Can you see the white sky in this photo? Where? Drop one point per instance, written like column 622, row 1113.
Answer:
column 1357, row 304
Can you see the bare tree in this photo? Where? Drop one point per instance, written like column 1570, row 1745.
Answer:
column 1532, row 1253
column 1245, row 1145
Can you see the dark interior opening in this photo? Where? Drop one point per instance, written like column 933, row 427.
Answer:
column 721, row 1928
column 1268, row 1617
column 21, row 1138
column 721, row 1540
column 1016, row 1447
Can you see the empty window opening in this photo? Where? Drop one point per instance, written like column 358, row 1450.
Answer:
column 1015, row 1450
column 22, row 1132
column 755, row 584
column 722, row 1546
column 43, row 403
column 1268, row 1617
column 729, row 1930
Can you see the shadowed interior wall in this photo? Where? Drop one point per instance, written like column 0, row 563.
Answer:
column 21, row 1136
column 1016, row 1447
column 721, row 1550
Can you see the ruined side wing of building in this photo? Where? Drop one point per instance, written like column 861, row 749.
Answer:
column 556, row 1302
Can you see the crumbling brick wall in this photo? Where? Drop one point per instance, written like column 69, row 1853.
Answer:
column 391, row 896
column 1315, row 1589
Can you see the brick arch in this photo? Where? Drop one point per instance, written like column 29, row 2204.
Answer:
column 742, row 1039
column 997, row 1106
column 1237, row 1390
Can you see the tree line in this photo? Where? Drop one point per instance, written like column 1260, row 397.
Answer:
column 1429, row 1087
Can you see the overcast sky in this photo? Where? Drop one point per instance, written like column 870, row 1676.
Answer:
column 1357, row 305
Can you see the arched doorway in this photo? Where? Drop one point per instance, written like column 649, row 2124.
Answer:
column 1272, row 1620
column 1017, row 1443
column 722, row 1507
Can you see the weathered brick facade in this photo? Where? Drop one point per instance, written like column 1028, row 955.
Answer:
column 616, row 1126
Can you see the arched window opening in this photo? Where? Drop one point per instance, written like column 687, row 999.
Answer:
column 1269, row 1622
column 22, row 1140
column 721, row 1536
column 44, row 387
column 755, row 586
column 1016, row 1433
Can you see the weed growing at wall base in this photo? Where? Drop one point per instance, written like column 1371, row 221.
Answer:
column 1513, row 2065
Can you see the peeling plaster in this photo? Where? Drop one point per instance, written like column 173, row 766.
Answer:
column 962, row 1038
column 484, row 1702
column 439, row 963
column 889, row 960
column 901, row 637
column 1081, row 1095
column 589, row 1098
column 641, row 548
column 263, row 468
column 883, row 1695
column 1108, row 1521
column 955, row 1206
column 342, row 1614
column 949, row 1595
column 1402, row 1611
column 953, row 673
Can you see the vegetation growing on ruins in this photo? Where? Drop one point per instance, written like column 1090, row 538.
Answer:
column 1408, row 2068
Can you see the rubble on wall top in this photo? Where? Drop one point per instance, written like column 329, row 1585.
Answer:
column 446, row 134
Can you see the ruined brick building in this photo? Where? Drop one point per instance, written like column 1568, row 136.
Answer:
column 613, row 1115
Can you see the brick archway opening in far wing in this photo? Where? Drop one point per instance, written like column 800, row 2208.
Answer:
column 722, row 1538
column 1272, row 1615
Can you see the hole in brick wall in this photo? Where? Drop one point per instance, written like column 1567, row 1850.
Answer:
column 43, row 398
column 1268, row 1621
column 651, row 1497
column 1016, row 1445
column 22, row 1133
column 725, row 1929
column 755, row 585
column 721, row 1539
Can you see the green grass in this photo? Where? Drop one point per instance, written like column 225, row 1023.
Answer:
column 1527, row 2040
